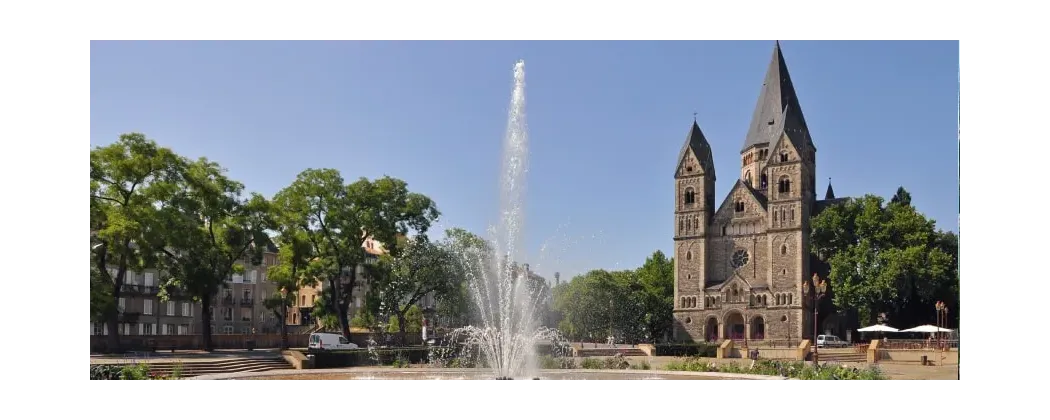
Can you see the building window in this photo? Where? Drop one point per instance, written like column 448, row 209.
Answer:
column 96, row 328
column 739, row 206
column 723, row 231
column 227, row 329
column 681, row 225
column 783, row 250
column 696, row 223
column 784, row 186
column 147, row 329
column 253, row 276
column 246, row 314
column 303, row 299
column 185, row 309
column 121, row 304
column 783, row 156
column 690, row 196
column 149, row 279
column 688, row 255
column 246, row 330
column 184, row 329
column 747, row 178
column 227, row 314
column 171, row 308
column 763, row 181
column 126, row 329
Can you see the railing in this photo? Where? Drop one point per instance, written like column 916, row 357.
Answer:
column 918, row 344
column 227, row 300
column 247, row 301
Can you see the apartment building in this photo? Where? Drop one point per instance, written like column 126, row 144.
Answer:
column 300, row 314
column 141, row 312
column 238, row 309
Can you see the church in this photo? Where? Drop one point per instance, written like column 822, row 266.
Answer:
column 743, row 268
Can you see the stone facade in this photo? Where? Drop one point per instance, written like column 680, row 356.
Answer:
column 741, row 268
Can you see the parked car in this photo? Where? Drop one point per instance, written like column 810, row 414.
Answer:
column 329, row 341
column 830, row 341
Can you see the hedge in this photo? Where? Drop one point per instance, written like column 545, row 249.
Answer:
column 686, row 349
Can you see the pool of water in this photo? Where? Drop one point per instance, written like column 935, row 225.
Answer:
column 470, row 374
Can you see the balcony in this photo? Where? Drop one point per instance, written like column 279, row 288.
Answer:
column 139, row 289
column 227, row 300
column 247, row 301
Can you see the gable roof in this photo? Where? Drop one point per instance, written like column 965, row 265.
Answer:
column 740, row 184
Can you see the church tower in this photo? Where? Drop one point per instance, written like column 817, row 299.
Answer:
column 779, row 152
column 694, row 207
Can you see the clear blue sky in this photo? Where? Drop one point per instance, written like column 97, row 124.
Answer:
column 606, row 120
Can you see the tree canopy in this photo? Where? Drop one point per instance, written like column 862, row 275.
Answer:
column 886, row 258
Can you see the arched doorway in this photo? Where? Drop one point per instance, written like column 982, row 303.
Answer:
column 735, row 326
column 711, row 330
column 758, row 328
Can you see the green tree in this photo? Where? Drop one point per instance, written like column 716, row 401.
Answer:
column 474, row 256
column 290, row 272
column 338, row 218
column 885, row 258
column 217, row 230
column 657, row 278
column 129, row 180
column 410, row 322
column 422, row 268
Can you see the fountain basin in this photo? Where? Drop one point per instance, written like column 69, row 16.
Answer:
column 371, row 373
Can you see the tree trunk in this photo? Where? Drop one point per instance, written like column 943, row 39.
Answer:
column 112, row 321
column 284, row 325
column 401, row 327
column 206, row 323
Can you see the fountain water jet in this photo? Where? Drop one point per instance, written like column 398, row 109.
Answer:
column 507, row 307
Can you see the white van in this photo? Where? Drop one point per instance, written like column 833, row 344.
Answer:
column 329, row 341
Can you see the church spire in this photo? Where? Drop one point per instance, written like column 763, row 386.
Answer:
column 696, row 142
column 830, row 195
column 777, row 111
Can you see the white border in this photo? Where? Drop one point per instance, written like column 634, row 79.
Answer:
column 45, row 94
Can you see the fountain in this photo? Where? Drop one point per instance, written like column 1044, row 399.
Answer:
column 507, row 331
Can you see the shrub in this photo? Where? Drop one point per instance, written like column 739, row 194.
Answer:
column 686, row 349
column 592, row 363
column 551, row 362
column 641, row 366
column 105, row 372
column 796, row 370
column 364, row 357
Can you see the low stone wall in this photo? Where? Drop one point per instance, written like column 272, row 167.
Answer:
column 235, row 341
column 296, row 358
column 951, row 357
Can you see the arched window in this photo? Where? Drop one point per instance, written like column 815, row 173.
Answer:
column 723, row 231
column 688, row 255
column 680, row 224
column 739, row 207
column 790, row 298
column 690, row 196
column 783, row 250
column 764, row 300
column 792, row 213
column 783, row 156
column 778, row 299
column 784, row 185
column 696, row 222
column 763, row 180
column 747, row 178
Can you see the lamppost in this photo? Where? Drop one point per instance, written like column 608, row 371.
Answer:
column 819, row 289
column 942, row 321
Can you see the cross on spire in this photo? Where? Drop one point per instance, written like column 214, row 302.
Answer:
column 694, row 116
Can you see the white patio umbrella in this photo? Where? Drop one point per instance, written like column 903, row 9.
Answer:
column 878, row 328
column 927, row 329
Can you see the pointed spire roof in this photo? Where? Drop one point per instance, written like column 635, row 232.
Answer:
column 778, row 110
column 696, row 142
column 830, row 195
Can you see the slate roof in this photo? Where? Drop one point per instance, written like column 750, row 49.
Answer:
column 696, row 141
column 777, row 110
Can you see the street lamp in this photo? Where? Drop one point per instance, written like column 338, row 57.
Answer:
column 942, row 321
column 820, row 287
